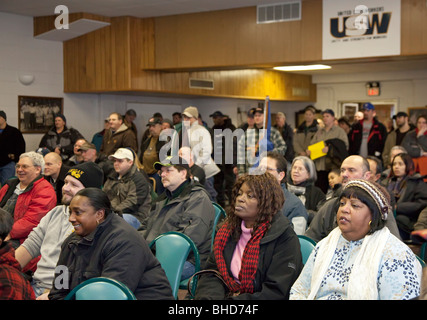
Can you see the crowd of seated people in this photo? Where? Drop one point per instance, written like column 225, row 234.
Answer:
column 356, row 204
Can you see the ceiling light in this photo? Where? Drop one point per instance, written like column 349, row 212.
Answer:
column 303, row 68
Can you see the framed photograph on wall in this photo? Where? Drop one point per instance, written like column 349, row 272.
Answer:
column 349, row 110
column 37, row 114
column 415, row 112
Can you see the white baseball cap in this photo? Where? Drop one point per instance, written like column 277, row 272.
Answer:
column 121, row 153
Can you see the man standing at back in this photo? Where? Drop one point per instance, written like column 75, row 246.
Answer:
column 54, row 173
column 395, row 137
column 118, row 136
column 46, row 239
column 12, row 145
column 367, row 137
column 353, row 167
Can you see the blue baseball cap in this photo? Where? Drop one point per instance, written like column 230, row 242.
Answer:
column 368, row 106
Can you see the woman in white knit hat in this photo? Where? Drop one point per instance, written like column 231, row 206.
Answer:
column 360, row 259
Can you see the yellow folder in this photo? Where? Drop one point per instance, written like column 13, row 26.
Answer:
column 316, row 150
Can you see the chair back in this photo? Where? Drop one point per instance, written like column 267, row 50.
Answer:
column 307, row 245
column 101, row 288
column 172, row 250
column 219, row 213
column 422, row 262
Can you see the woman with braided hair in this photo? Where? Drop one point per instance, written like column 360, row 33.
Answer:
column 360, row 259
column 256, row 251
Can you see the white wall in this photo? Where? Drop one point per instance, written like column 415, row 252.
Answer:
column 21, row 54
column 407, row 88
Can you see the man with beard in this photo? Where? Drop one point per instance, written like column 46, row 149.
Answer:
column 46, row 239
column 395, row 137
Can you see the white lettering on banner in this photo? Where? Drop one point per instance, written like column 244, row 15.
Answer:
column 354, row 30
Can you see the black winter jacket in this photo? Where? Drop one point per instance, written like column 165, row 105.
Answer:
column 114, row 250
column 279, row 265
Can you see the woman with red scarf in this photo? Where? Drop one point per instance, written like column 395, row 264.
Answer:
column 256, row 250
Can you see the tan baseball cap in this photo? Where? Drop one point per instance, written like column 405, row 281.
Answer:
column 191, row 112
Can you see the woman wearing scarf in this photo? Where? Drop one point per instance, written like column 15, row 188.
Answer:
column 256, row 250
column 409, row 190
column 360, row 259
column 301, row 183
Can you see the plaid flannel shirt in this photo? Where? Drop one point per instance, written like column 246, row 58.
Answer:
column 13, row 286
column 245, row 157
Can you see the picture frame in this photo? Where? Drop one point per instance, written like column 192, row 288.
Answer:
column 415, row 112
column 349, row 110
column 37, row 114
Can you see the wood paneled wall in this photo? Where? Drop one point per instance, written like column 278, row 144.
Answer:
column 161, row 54
column 233, row 38
column 121, row 57
column 414, row 27
column 47, row 23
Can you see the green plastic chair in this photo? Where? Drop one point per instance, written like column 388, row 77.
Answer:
column 101, row 288
column 219, row 213
column 172, row 250
column 423, row 264
column 307, row 245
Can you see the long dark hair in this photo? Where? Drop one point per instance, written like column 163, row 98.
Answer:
column 409, row 164
column 266, row 190
column 98, row 199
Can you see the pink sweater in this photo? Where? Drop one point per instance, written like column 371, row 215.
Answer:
column 236, row 260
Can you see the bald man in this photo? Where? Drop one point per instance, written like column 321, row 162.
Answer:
column 55, row 172
column 353, row 167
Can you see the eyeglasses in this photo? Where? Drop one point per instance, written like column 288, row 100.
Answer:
column 269, row 169
column 23, row 166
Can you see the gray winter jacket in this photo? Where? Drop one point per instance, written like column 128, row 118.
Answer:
column 130, row 194
column 190, row 212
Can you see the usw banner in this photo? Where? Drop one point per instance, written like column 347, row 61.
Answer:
column 358, row 28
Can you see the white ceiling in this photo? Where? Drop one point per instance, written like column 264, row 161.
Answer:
column 136, row 8
column 154, row 8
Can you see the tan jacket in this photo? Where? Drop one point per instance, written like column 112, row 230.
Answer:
column 122, row 138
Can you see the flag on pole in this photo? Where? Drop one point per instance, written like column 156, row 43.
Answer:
column 267, row 117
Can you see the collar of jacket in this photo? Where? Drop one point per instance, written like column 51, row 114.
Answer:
column 115, row 176
column 88, row 239
column 311, row 128
column 122, row 128
column 278, row 226
column 52, row 131
column 188, row 188
column 170, row 195
column 15, row 181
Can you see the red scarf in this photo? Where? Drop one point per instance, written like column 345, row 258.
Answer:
column 249, row 259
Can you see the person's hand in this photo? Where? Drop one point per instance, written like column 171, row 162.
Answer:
column 44, row 296
column 421, row 131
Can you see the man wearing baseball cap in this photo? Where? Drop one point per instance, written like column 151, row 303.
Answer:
column 46, row 239
column 336, row 146
column 367, row 137
column 150, row 149
column 12, row 145
column 395, row 137
column 184, row 207
column 223, row 180
column 127, row 188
